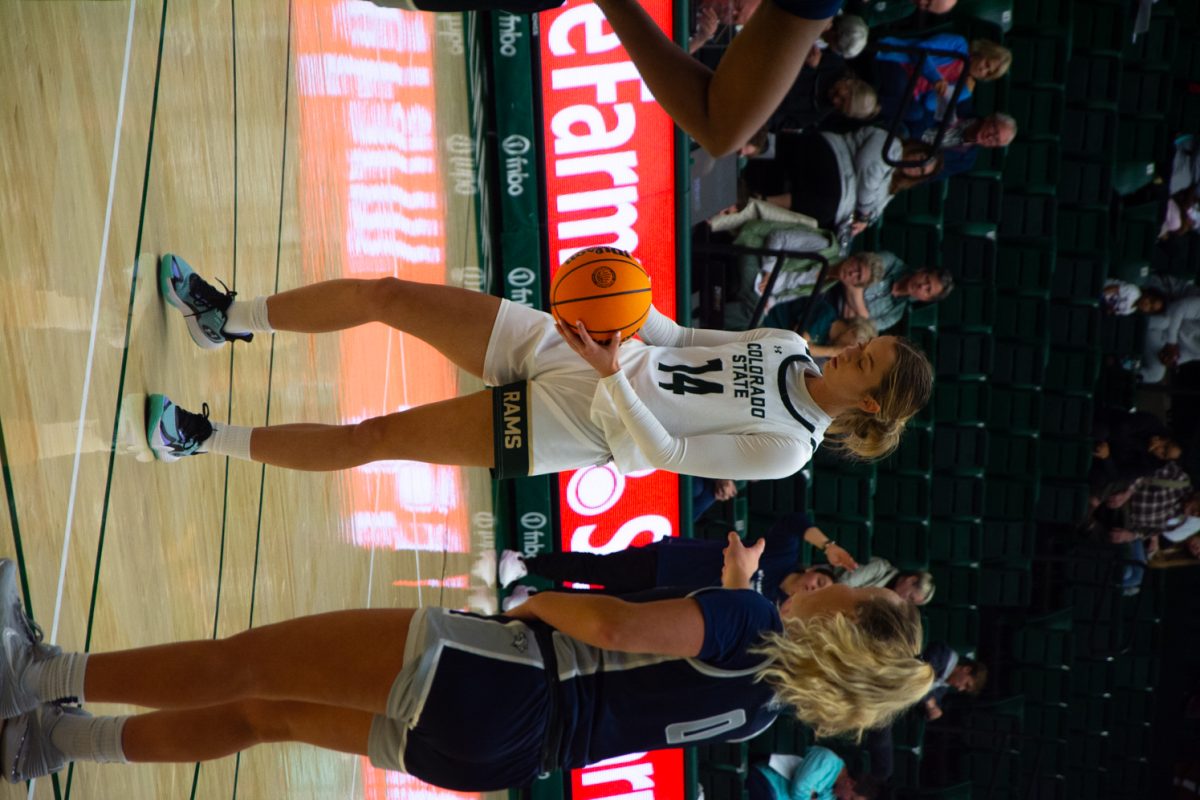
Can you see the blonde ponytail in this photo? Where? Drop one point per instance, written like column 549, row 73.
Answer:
column 901, row 394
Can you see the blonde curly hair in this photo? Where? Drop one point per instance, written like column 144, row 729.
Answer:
column 844, row 674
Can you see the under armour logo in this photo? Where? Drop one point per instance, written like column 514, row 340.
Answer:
column 520, row 643
column 778, row 350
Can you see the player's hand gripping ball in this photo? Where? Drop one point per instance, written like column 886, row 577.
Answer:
column 605, row 288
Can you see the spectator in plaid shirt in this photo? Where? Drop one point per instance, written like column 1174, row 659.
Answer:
column 1153, row 504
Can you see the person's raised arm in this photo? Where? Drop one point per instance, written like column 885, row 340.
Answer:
column 665, row 627
column 721, row 110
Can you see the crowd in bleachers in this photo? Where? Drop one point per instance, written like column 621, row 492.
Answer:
column 1017, row 186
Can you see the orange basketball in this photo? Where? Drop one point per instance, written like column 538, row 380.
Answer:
column 606, row 288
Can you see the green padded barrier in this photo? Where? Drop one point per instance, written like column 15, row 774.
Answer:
column 904, row 542
column 955, row 541
column 1094, row 80
column 1027, row 216
column 1019, row 363
column 902, row 496
column 1038, row 60
column 1074, row 325
column 1090, row 131
column 1025, row 268
column 1038, row 112
column 1068, row 415
column 963, row 355
column 1032, row 166
column 1012, row 455
column 968, row 308
column 960, row 448
column 1008, row 540
column 973, row 198
column 1011, row 499
column 1085, row 182
column 1015, row 410
column 960, row 401
column 1079, row 277
column 969, row 252
column 1065, row 459
column 957, row 496
column 1072, row 370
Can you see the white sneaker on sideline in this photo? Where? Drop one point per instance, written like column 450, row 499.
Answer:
column 512, row 568
column 518, row 597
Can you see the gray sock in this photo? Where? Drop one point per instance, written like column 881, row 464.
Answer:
column 57, row 678
column 82, row 737
column 229, row 440
column 248, row 316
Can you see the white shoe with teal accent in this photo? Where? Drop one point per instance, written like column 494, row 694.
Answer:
column 204, row 306
column 173, row 432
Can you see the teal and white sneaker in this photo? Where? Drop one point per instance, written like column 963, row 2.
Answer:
column 173, row 432
column 204, row 306
column 20, row 645
column 26, row 751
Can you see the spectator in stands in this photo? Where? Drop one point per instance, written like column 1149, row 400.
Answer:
column 1119, row 298
column 841, row 179
column 797, row 278
column 885, row 12
column 1179, row 546
column 826, row 334
column 1172, row 334
column 1127, row 445
column 711, row 15
column 1182, row 214
column 964, row 138
column 953, row 673
column 823, row 93
column 937, row 76
column 915, row 586
column 845, row 36
column 684, row 563
column 819, row 775
column 885, row 301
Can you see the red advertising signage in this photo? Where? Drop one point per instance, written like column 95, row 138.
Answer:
column 610, row 180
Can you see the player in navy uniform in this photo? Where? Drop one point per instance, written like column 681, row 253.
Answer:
column 710, row 403
column 468, row 702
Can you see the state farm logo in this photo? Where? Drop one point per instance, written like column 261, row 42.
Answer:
column 516, row 145
column 604, row 277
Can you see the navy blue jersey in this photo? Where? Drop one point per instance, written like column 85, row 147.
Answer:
column 617, row 703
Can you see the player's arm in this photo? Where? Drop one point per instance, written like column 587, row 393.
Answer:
column 721, row 110
column 666, row 627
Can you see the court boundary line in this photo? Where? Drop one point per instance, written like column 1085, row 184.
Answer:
column 91, row 352
column 262, row 480
column 124, row 356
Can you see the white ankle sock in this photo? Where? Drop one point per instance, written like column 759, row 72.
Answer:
column 59, row 677
column 87, row 738
column 248, row 316
column 229, row 440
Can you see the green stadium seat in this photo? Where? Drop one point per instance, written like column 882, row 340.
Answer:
column 1074, row 325
column 1005, row 587
column 960, row 448
column 1065, row 459
column 963, row 355
column 973, row 198
column 1104, row 29
column 918, row 244
column 902, row 496
column 1090, row 131
column 1019, row 363
column 1021, row 317
column 922, row 316
column 1015, row 410
column 1137, row 232
column 1038, row 60
column 1008, row 540
column 1025, row 268
column 1047, row 15
column 1027, row 216
column 1085, row 182
column 1012, row 455
column 969, row 252
column 1094, row 79
column 772, row 499
column 922, row 203
column 1062, row 503
column 1042, row 646
column 960, row 402
column 968, row 308
column 996, row 13
column 1145, row 91
column 1129, row 176
column 1141, row 137
column 914, row 456
column 957, row 626
column 1067, row 415
column 1038, row 112
column 1157, row 46
column 957, row 496
column 1048, row 720
column 1011, row 499
column 1041, row 685
column 1072, row 370
column 1079, row 277
column 842, row 495
column 1083, row 230
column 904, row 542
column 955, row 541
column 959, row 791
column 1032, row 166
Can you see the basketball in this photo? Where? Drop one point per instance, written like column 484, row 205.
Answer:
column 606, row 288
